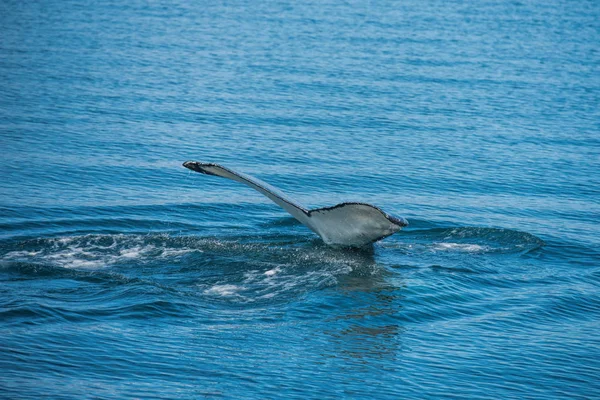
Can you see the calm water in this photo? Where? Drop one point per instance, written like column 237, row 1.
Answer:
column 124, row 275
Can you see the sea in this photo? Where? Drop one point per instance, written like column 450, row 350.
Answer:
column 124, row 275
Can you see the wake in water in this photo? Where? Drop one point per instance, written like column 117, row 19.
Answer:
column 105, row 250
column 249, row 268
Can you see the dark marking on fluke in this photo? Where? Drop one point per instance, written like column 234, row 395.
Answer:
column 346, row 224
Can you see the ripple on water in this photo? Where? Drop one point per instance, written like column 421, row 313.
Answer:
column 474, row 240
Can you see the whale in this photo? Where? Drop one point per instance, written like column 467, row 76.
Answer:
column 349, row 224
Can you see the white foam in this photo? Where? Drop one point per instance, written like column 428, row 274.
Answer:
column 466, row 247
column 223, row 290
column 15, row 255
column 273, row 271
column 178, row 252
column 135, row 252
column 82, row 264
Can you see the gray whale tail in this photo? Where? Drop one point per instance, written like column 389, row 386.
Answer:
column 346, row 224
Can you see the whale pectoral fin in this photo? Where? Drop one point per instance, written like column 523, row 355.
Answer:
column 274, row 194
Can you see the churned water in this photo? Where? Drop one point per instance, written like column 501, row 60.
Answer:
column 124, row 275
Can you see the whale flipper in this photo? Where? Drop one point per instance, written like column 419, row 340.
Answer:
column 346, row 224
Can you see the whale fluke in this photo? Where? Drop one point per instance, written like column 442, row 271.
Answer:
column 346, row 224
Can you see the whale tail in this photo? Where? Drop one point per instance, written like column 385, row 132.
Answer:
column 345, row 224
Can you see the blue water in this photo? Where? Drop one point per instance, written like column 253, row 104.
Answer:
column 124, row 275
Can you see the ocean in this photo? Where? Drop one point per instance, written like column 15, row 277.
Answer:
column 124, row 275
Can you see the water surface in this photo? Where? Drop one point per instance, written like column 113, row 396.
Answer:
column 124, row 275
